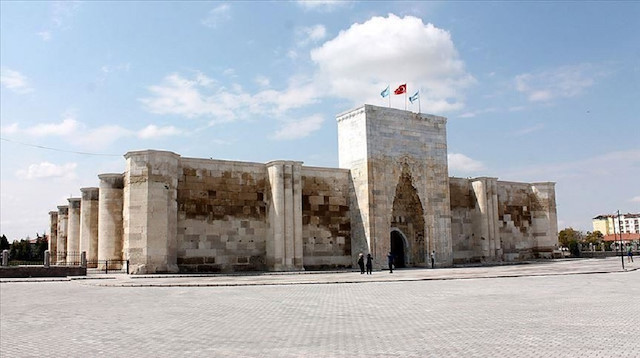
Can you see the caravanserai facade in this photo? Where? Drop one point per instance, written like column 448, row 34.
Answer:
column 392, row 193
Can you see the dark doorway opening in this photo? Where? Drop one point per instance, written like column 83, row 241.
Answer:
column 397, row 249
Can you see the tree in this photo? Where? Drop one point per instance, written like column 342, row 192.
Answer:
column 593, row 237
column 568, row 235
column 571, row 238
column 4, row 243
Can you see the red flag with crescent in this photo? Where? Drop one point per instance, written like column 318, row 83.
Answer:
column 400, row 90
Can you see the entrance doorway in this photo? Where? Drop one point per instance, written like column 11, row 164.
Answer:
column 397, row 249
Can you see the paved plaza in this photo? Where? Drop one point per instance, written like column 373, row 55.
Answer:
column 565, row 308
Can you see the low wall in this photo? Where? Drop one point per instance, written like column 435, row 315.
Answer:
column 41, row 271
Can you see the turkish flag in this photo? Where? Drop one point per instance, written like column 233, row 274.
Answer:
column 402, row 89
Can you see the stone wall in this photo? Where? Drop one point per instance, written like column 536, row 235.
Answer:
column 382, row 146
column 526, row 230
column 326, row 219
column 495, row 220
column 221, row 216
column 465, row 212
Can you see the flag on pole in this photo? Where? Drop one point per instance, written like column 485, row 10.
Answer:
column 400, row 90
column 415, row 97
column 385, row 92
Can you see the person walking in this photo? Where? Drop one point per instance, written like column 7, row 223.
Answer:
column 433, row 259
column 361, row 263
column 369, row 264
column 629, row 254
column 390, row 261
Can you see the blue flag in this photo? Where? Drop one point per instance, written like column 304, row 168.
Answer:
column 385, row 92
column 414, row 97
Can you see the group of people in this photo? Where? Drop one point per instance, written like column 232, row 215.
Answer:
column 369, row 263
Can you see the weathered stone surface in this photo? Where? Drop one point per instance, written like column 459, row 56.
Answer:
column 377, row 145
column 167, row 213
column 89, row 224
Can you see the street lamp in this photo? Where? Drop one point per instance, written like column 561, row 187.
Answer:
column 614, row 237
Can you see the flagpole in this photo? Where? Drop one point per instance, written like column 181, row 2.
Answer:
column 405, row 97
column 389, row 87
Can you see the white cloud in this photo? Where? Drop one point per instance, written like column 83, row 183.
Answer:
column 61, row 13
column 529, row 130
column 10, row 129
column 472, row 114
column 191, row 98
column 635, row 199
column 153, row 131
column 598, row 166
column 356, row 65
column 217, row 16
column 78, row 134
column 44, row 35
column 322, row 5
column 299, row 129
column 262, row 81
column 182, row 96
column 311, row 34
column 463, row 164
column 68, row 126
column 100, row 137
column 363, row 59
column 563, row 82
column 45, row 170
column 14, row 81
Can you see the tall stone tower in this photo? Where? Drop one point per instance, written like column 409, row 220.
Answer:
column 400, row 184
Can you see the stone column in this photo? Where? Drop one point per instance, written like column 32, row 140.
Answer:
column 151, row 211
column 110, row 220
column 486, row 228
column 73, row 231
column 89, row 224
column 63, row 214
column 284, row 246
column 53, row 236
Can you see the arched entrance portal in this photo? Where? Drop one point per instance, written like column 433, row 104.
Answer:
column 407, row 223
column 397, row 249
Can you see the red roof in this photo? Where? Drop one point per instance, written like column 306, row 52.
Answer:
column 625, row 237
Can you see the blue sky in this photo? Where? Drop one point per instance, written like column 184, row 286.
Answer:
column 534, row 91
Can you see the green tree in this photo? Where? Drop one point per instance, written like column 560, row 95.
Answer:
column 42, row 245
column 4, row 243
column 593, row 237
column 566, row 236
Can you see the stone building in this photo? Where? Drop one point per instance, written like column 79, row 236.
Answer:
column 392, row 193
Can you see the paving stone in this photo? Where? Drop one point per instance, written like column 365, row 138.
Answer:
column 547, row 310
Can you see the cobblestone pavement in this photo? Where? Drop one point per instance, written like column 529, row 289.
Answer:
column 548, row 310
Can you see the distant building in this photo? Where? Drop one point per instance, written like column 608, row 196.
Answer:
column 611, row 224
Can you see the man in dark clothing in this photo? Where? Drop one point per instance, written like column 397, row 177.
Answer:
column 390, row 260
column 369, row 264
column 361, row 263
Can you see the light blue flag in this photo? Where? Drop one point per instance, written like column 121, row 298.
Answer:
column 385, row 93
column 414, row 97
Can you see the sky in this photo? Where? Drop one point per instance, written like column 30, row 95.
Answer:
column 533, row 91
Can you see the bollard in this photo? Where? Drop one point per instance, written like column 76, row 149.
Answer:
column 5, row 257
column 47, row 259
column 83, row 259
